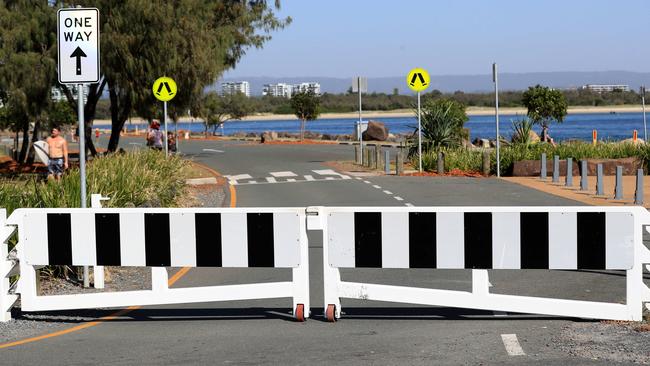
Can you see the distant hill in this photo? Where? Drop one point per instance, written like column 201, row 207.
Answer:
column 466, row 83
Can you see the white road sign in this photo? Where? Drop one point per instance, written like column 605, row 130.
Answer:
column 78, row 40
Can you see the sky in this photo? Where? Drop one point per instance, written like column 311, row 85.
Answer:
column 380, row 38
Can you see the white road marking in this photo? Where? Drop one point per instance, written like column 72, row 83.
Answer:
column 345, row 176
column 512, row 345
column 291, row 180
column 366, row 182
column 326, row 172
column 252, row 182
column 271, row 180
column 309, row 177
column 213, row 150
column 238, row 177
column 399, row 198
column 409, row 204
column 376, row 186
column 500, row 313
column 329, row 178
column 388, row 192
column 283, row 174
column 358, row 178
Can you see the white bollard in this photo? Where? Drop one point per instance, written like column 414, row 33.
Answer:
column 98, row 271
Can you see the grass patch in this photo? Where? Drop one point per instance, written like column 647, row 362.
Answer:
column 137, row 178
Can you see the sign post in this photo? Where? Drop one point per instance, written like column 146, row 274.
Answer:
column 418, row 80
column 78, row 56
column 360, row 85
column 645, row 128
column 495, row 79
column 164, row 89
column 78, row 64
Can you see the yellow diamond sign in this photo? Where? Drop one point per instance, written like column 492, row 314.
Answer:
column 418, row 79
column 164, row 89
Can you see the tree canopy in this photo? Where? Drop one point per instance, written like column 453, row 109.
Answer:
column 215, row 109
column 545, row 105
column 306, row 106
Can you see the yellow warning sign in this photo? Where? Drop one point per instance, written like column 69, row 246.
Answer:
column 418, row 79
column 164, row 89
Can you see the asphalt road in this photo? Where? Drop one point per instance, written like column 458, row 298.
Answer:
column 262, row 332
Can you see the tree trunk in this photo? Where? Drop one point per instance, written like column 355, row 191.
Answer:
column 302, row 129
column 120, row 110
column 30, row 151
column 25, row 145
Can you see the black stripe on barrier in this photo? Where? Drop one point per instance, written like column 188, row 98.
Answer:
column 478, row 240
column 367, row 239
column 107, row 239
column 534, row 240
column 157, row 240
column 59, row 239
column 591, row 240
column 207, row 227
column 422, row 240
column 260, row 239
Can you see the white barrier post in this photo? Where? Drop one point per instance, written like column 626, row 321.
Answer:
column 98, row 271
column 7, row 265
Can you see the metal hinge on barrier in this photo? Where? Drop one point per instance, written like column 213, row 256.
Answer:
column 314, row 218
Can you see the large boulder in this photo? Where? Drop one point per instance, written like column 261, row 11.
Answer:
column 533, row 137
column 376, row 131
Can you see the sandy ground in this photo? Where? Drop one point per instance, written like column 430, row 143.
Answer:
column 589, row 196
column 471, row 111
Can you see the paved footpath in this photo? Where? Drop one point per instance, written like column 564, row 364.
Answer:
column 262, row 332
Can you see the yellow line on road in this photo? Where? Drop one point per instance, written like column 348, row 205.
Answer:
column 172, row 280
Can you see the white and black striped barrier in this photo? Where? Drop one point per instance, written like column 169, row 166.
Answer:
column 158, row 238
column 480, row 238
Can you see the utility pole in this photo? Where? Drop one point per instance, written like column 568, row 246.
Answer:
column 645, row 128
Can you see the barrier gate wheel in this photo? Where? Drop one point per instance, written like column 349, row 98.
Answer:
column 299, row 314
column 330, row 313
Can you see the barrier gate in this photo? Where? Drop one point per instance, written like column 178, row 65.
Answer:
column 477, row 238
column 157, row 238
column 481, row 238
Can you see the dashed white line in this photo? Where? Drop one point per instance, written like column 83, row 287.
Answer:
column 271, row 180
column 283, row 174
column 376, row 186
column 388, row 192
column 399, row 198
column 309, row 177
column 213, row 150
column 512, row 345
column 366, row 182
column 329, row 178
column 358, row 178
column 291, row 180
column 409, row 204
column 252, row 182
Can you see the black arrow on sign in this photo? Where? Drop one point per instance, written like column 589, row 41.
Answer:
column 78, row 53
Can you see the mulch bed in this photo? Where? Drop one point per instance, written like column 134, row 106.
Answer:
column 451, row 173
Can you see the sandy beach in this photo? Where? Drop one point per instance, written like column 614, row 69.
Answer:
column 471, row 111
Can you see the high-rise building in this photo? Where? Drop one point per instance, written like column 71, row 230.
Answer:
column 306, row 87
column 277, row 90
column 599, row 88
column 233, row 87
column 58, row 95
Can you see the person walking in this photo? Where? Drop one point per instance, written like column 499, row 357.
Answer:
column 58, row 153
column 155, row 136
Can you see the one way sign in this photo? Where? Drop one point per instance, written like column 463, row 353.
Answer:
column 78, row 41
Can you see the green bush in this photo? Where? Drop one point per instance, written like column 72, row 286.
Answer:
column 133, row 178
column 471, row 159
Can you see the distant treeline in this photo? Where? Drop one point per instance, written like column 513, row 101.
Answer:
column 349, row 102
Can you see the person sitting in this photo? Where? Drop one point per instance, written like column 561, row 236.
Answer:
column 155, row 136
column 171, row 142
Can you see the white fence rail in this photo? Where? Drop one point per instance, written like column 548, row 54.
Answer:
column 481, row 238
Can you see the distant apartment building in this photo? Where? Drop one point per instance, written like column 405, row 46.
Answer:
column 277, row 90
column 234, row 87
column 600, row 88
column 58, row 95
column 306, row 87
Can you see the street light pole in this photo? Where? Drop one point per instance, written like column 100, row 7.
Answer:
column 360, row 122
column 495, row 79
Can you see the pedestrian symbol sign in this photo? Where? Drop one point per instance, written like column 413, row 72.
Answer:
column 418, row 79
column 78, row 45
column 164, row 89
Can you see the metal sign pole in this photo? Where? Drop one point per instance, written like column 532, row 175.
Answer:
column 82, row 161
column 496, row 112
column 419, row 134
column 645, row 128
column 165, row 119
column 360, row 122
